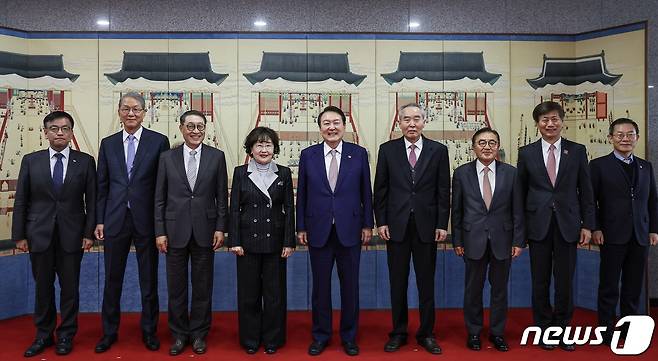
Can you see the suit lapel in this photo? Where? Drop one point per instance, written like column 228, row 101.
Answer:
column 319, row 161
column 44, row 165
column 204, row 163
column 180, row 166
column 564, row 158
column 475, row 184
column 500, row 183
column 538, row 155
column 120, row 154
column 402, row 159
column 142, row 150
column 423, row 160
column 345, row 163
column 71, row 169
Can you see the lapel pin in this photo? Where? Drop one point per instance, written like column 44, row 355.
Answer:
column 565, row 152
column 280, row 183
column 75, row 160
column 349, row 156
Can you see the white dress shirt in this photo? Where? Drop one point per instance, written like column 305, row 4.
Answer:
column 479, row 167
column 558, row 152
column 628, row 160
column 418, row 144
column 327, row 156
column 138, row 136
column 186, row 157
column 65, row 160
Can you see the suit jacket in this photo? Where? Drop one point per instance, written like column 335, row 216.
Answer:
column 37, row 209
column 351, row 203
column 473, row 225
column 181, row 212
column 571, row 199
column 115, row 190
column 428, row 195
column 624, row 207
column 253, row 223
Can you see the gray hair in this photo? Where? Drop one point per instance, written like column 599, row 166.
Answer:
column 135, row 96
column 411, row 105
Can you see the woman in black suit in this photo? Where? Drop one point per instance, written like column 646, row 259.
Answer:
column 261, row 234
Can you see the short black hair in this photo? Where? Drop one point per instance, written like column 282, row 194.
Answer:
column 56, row 115
column 620, row 121
column 191, row 112
column 547, row 107
column 261, row 134
column 334, row 109
column 485, row 130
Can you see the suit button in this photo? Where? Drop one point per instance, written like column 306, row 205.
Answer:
column 268, row 234
column 268, row 206
column 255, row 235
column 255, row 220
column 267, row 220
column 255, row 205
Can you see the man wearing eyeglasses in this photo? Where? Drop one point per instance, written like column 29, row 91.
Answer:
column 127, row 169
column 54, row 220
column 626, row 223
column 191, row 208
column 488, row 231
column 559, row 212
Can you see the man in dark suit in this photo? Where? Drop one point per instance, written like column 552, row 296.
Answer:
column 127, row 167
column 487, row 229
column 54, row 219
column 334, row 217
column 191, row 206
column 559, row 213
column 626, row 223
column 412, row 204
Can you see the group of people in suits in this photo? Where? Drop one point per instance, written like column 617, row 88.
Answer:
column 176, row 201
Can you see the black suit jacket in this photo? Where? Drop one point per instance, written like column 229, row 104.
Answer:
column 181, row 212
column 571, row 199
column 37, row 209
column 396, row 195
column 115, row 190
column 473, row 224
column 624, row 208
column 253, row 224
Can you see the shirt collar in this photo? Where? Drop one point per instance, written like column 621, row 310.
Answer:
column 187, row 149
column 65, row 152
column 138, row 134
column 557, row 144
column 327, row 148
column 621, row 157
column 418, row 144
column 479, row 166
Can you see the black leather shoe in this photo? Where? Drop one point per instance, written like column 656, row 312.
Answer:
column 350, row 348
column 199, row 346
column 394, row 343
column 270, row 349
column 430, row 345
column 38, row 346
column 499, row 343
column 546, row 347
column 566, row 347
column 177, row 347
column 316, row 348
column 64, row 346
column 151, row 342
column 251, row 349
column 105, row 343
column 473, row 342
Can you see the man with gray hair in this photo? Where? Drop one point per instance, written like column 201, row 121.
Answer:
column 127, row 170
column 412, row 190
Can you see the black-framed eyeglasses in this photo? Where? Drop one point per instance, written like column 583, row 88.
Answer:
column 491, row 143
column 55, row 129
column 128, row 110
column 621, row 136
column 198, row 126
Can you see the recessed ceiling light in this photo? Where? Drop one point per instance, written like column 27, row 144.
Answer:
column 259, row 23
column 102, row 22
column 414, row 24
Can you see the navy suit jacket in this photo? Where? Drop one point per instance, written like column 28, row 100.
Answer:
column 350, row 205
column 115, row 190
column 624, row 208
column 473, row 224
column 571, row 199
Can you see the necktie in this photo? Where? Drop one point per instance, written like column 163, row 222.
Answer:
column 550, row 164
column 628, row 160
column 191, row 169
column 412, row 156
column 333, row 170
column 131, row 154
column 58, row 173
column 486, row 187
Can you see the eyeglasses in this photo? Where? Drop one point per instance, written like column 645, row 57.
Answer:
column 551, row 119
column 266, row 146
column 199, row 126
column 55, row 129
column 135, row 111
column 491, row 143
column 621, row 136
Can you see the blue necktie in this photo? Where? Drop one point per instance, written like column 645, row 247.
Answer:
column 131, row 154
column 58, row 173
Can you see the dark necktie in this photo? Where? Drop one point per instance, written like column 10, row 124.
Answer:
column 58, row 173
